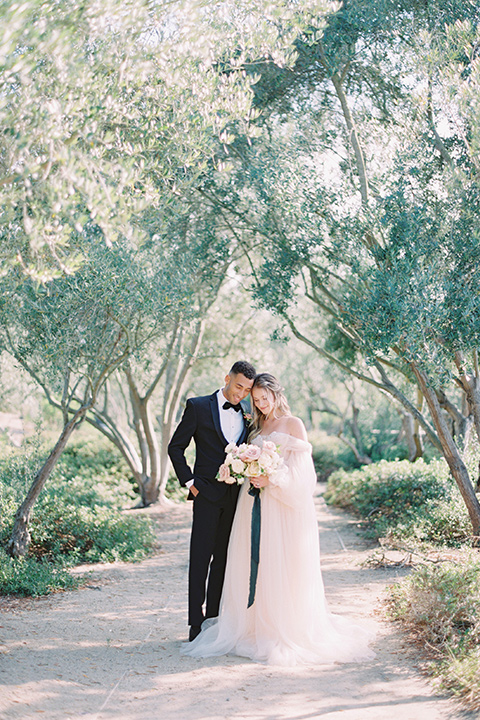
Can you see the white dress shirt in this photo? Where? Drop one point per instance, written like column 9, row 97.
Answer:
column 231, row 421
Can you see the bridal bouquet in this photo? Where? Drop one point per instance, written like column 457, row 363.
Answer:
column 249, row 461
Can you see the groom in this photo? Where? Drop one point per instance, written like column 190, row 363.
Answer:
column 213, row 422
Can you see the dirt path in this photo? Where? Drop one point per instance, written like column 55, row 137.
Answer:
column 111, row 649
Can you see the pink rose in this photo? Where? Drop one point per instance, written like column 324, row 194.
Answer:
column 251, row 452
column 266, row 461
column 269, row 447
column 224, row 473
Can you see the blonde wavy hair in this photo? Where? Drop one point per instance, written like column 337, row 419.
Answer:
column 281, row 407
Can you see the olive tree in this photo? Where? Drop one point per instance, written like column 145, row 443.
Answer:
column 366, row 219
column 111, row 107
column 109, row 110
column 74, row 333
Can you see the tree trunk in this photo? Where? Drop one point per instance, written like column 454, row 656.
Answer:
column 462, row 424
column 471, row 386
column 359, row 453
column 416, row 427
column 164, row 460
column 355, row 445
column 360, row 457
column 102, row 422
column 172, row 396
column 412, row 439
column 450, row 451
column 352, row 136
column 145, row 481
column 150, row 489
column 20, row 538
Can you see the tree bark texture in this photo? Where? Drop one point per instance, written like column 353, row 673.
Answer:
column 20, row 538
column 471, row 386
column 412, row 437
column 450, row 451
column 101, row 421
column 352, row 136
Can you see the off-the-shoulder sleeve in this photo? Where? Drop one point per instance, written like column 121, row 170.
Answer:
column 294, row 483
column 293, row 444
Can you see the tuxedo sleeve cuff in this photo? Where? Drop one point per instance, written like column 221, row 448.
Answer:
column 189, row 483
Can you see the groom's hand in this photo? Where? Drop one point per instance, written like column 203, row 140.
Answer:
column 193, row 490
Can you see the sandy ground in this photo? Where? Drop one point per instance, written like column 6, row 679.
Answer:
column 111, row 649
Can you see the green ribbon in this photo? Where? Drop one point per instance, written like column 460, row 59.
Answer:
column 254, row 543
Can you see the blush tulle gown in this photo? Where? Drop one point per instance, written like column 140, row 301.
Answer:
column 289, row 623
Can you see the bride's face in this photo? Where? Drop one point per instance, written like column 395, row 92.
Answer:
column 264, row 400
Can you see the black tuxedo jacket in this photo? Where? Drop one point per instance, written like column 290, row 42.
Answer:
column 201, row 421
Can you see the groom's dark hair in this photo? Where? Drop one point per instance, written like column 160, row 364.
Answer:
column 242, row 367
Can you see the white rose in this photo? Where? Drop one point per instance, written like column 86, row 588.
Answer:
column 254, row 469
column 266, row 461
column 238, row 466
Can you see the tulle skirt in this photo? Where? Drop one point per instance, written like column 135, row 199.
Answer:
column 289, row 622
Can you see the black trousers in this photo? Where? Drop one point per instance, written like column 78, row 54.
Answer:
column 212, row 523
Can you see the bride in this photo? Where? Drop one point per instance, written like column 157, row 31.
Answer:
column 289, row 622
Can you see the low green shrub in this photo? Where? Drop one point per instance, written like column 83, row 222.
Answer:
column 445, row 522
column 31, row 577
column 81, row 533
column 329, row 455
column 441, row 604
column 77, row 518
column 327, row 461
column 460, row 677
column 403, row 499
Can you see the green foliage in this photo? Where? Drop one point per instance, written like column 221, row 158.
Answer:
column 443, row 601
column 83, row 534
column 460, row 677
column 78, row 517
column 329, row 458
column 378, row 252
column 416, row 500
column 445, row 521
column 112, row 107
column 82, row 326
column 31, row 577
column 441, row 604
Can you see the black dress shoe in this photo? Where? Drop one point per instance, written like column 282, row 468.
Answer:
column 194, row 631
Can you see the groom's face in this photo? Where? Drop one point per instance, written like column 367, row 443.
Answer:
column 237, row 387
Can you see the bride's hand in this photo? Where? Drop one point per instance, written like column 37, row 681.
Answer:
column 260, row 481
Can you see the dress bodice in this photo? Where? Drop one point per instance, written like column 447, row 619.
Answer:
column 285, row 441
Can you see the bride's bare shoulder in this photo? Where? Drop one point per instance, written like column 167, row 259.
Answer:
column 295, row 427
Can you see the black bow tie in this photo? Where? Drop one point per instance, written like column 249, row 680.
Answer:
column 227, row 405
